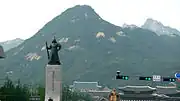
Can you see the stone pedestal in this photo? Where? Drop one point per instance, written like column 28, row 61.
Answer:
column 53, row 85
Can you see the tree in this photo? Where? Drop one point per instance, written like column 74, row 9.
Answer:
column 20, row 92
column 41, row 93
column 11, row 92
column 67, row 94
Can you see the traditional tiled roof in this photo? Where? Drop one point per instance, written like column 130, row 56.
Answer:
column 137, row 95
column 137, row 88
column 166, row 89
column 106, row 89
column 158, row 89
column 86, row 85
column 2, row 54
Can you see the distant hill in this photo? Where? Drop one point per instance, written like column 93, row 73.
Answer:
column 93, row 50
column 2, row 55
column 159, row 28
column 7, row 45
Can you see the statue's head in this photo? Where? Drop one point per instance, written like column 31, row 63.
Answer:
column 54, row 40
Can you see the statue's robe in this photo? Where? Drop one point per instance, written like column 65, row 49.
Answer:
column 54, row 57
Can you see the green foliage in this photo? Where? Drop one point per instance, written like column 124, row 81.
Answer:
column 19, row 92
column 41, row 92
column 67, row 95
column 11, row 92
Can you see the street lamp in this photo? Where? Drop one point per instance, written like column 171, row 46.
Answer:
column 118, row 72
column 119, row 76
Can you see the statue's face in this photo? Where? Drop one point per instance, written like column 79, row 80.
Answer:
column 53, row 44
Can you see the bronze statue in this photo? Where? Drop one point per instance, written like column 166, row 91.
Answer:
column 53, row 57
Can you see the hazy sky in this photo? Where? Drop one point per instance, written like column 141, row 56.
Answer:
column 23, row 18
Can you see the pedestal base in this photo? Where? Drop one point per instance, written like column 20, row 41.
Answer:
column 53, row 88
column 54, row 98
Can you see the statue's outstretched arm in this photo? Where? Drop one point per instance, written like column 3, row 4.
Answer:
column 48, row 47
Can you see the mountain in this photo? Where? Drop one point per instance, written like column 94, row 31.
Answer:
column 7, row 45
column 93, row 50
column 159, row 28
column 2, row 55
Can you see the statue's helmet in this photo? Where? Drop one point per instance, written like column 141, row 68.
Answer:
column 54, row 40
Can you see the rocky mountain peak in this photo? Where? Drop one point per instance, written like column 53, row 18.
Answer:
column 159, row 28
column 9, row 44
column 151, row 21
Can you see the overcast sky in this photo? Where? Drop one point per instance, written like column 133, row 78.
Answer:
column 23, row 18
